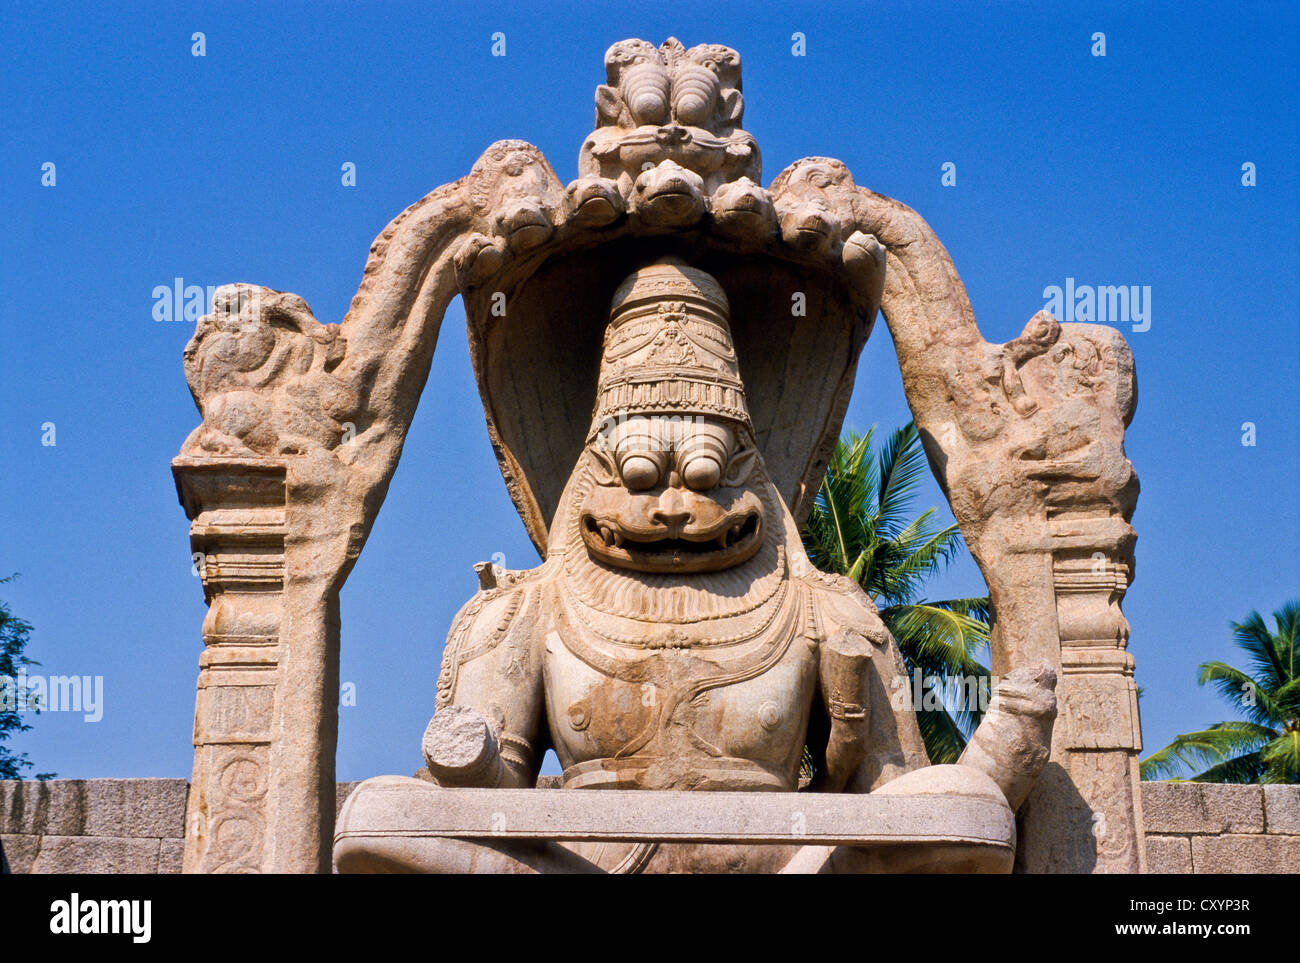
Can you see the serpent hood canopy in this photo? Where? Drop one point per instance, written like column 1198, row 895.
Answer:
column 803, row 285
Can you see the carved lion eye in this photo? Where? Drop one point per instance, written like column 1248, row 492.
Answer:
column 639, row 470
column 701, row 472
column 641, row 454
column 703, row 454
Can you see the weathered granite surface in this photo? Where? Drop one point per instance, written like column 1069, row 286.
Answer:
column 677, row 637
column 673, row 567
column 1206, row 828
column 1192, row 808
column 94, row 807
column 93, row 825
column 97, row 825
column 952, row 820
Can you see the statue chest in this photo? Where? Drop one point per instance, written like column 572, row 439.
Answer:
column 681, row 706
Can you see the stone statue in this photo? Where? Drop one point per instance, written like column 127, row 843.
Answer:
column 677, row 637
column 665, row 350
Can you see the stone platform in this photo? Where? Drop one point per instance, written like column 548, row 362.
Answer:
column 405, row 819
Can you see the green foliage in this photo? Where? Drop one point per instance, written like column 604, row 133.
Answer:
column 14, row 633
column 1265, row 747
column 859, row 527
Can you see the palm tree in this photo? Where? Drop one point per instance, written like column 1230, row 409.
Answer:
column 859, row 528
column 1266, row 746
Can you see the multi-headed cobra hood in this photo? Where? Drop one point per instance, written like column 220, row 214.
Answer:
column 668, row 173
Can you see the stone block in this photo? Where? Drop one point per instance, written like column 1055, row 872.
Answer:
column 170, row 854
column 952, row 816
column 1254, row 853
column 93, row 807
column 1282, row 809
column 1169, row 854
column 55, row 806
column 1193, row 808
column 96, row 854
column 20, row 851
column 398, row 806
column 136, row 807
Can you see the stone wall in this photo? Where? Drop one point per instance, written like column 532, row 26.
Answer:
column 97, row 825
column 93, row 825
column 1205, row 828
column 137, row 825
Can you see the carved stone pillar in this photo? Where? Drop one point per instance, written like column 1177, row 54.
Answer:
column 1092, row 821
column 255, row 803
column 1027, row 441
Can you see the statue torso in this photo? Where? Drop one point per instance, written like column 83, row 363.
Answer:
column 713, row 697
column 675, row 681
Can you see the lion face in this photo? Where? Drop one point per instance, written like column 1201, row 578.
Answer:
column 673, row 494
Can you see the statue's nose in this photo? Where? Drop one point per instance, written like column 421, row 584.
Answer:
column 672, row 512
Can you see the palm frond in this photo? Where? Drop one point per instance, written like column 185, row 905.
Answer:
column 944, row 741
column 945, row 645
column 956, row 637
column 1288, row 698
column 859, row 526
column 980, row 609
column 1265, row 747
column 835, row 534
column 1207, row 748
column 1253, row 637
column 1249, row 696
column 1287, row 619
column 1247, row 768
column 913, row 557
column 902, row 466
column 1281, row 758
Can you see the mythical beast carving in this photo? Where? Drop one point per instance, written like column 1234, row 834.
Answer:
column 677, row 637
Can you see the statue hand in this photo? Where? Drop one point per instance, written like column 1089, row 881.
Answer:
column 460, row 749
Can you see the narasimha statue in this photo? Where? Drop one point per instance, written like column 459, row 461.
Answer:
column 665, row 350
column 677, row 636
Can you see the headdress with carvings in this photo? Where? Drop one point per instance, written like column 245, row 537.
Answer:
column 668, row 348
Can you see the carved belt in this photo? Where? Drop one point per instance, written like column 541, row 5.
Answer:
column 727, row 773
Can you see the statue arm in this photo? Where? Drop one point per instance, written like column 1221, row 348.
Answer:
column 873, row 734
column 843, row 663
column 871, row 739
column 896, row 743
column 486, row 729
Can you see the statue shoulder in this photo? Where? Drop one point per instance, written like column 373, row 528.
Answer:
column 839, row 605
column 504, row 608
column 504, row 596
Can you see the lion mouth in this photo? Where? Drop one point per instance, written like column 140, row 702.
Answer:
column 721, row 546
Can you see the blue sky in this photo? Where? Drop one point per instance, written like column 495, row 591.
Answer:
column 1117, row 170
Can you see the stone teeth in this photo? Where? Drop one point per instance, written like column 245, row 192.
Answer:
column 607, row 535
